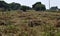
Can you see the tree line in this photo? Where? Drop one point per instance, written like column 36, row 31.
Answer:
column 38, row 6
column 16, row 6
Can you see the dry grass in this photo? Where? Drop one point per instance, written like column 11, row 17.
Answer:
column 31, row 23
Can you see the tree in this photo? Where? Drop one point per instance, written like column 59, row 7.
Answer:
column 38, row 6
column 35, row 4
column 4, row 5
column 24, row 8
column 14, row 6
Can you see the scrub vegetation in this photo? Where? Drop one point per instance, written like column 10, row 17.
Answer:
column 30, row 23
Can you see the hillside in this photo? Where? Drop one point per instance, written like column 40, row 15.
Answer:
column 30, row 23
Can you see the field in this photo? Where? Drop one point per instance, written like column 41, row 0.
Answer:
column 30, row 23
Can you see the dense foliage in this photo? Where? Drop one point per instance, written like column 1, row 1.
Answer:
column 13, row 6
column 38, row 6
column 4, row 5
column 24, row 8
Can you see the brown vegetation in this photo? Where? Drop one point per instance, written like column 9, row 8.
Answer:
column 30, row 23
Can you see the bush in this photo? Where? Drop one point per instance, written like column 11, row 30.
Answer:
column 38, row 6
column 14, row 6
column 24, row 8
column 4, row 5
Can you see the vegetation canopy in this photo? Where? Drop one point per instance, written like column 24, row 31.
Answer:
column 38, row 6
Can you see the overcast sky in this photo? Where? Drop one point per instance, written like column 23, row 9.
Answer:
column 31, row 2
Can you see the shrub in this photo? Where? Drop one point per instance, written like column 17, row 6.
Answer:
column 38, row 6
column 24, row 8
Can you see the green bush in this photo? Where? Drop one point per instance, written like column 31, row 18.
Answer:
column 38, row 6
column 24, row 8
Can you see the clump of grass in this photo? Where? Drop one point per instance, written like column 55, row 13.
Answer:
column 35, row 22
column 11, row 29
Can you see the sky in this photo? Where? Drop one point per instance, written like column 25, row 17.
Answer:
column 31, row 2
